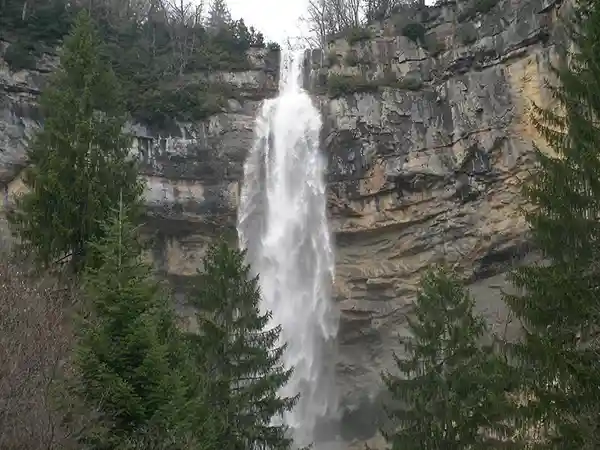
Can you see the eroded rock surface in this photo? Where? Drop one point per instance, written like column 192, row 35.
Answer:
column 428, row 173
column 191, row 172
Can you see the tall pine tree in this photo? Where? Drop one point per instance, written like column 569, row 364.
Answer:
column 446, row 395
column 219, row 16
column 79, row 161
column 129, row 355
column 238, row 358
column 559, row 303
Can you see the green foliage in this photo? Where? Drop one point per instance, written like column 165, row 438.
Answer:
column 241, row 360
column 351, row 59
column 560, row 307
column 358, row 34
column 341, row 85
column 415, row 32
column 476, row 7
column 21, row 55
column 32, row 30
column 219, row 15
column 273, row 47
column 409, row 84
column 79, row 161
column 432, row 45
column 154, row 57
column 41, row 23
column 187, row 101
column 447, row 394
column 128, row 349
column 158, row 70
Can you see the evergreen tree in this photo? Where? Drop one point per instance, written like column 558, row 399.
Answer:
column 79, row 161
column 240, row 359
column 446, row 395
column 128, row 356
column 219, row 16
column 558, row 301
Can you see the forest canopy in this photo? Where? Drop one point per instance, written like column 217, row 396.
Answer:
column 153, row 45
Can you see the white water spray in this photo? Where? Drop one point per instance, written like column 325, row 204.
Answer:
column 282, row 222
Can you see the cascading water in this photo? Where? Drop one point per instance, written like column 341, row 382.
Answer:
column 282, row 223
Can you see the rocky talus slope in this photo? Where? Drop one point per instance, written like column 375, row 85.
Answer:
column 428, row 139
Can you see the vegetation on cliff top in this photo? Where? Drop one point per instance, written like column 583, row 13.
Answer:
column 359, row 21
column 158, row 49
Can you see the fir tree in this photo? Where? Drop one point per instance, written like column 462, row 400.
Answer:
column 446, row 395
column 129, row 356
column 79, row 161
column 560, row 307
column 219, row 16
column 239, row 357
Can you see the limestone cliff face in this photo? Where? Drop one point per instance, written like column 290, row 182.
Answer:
column 191, row 171
column 428, row 170
column 425, row 166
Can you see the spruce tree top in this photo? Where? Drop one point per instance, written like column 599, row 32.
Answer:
column 79, row 163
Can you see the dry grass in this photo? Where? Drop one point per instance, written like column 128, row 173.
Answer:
column 35, row 342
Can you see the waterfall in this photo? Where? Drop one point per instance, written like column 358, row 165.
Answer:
column 282, row 223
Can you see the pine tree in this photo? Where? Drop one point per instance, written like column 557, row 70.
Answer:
column 446, row 395
column 558, row 301
column 79, row 161
column 129, row 351
column 219, row 16
column 239, row 357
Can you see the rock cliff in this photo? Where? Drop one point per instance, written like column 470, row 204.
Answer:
column 428, row 136
column 428, row 139
column 191, row 172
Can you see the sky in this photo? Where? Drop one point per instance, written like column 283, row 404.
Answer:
column 277, row 19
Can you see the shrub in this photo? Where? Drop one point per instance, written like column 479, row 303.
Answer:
column 143, row 52
column 21, row 55
column 273, row 47
column 186, row 102
column 409, row 83
column 340, row 85
column 35, row 343
column 358, row 34
column 351, row 59
column 415, row 32
column 432, row 45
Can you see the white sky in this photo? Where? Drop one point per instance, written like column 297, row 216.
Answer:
column 277, row 19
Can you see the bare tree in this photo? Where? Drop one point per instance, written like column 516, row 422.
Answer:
column 318, row 23
column 326, row 18
column 184, row 19
column 35, row 343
